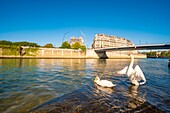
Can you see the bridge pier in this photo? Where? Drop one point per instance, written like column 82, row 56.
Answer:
column 102, row 55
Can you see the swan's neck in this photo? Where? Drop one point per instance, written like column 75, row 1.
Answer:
column 132, row 62
column 130, row 68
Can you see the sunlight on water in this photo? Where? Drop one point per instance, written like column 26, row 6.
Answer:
column 27, row 83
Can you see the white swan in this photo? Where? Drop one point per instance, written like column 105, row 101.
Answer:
column 135, row 75
column 103, row 83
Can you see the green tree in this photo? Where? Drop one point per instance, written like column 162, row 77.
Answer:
column 49, row 45
column 65, row 45
column 4, row 42
column 83, row 48
column 24, row 43
column 151, row 54
column 76, row 45
column 165, row 54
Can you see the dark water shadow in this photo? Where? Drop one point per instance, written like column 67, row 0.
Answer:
column 93, row 100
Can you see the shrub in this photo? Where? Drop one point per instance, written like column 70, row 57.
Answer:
column 65, row 45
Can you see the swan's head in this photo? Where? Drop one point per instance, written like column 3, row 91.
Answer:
column 131, row 55
column 96, row 79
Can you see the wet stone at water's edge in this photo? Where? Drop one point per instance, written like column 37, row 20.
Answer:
column 94, row 100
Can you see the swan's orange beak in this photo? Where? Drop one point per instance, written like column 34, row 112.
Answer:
column 95, row 79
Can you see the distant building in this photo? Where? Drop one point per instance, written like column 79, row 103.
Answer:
column 79, row 39
column 104, row 41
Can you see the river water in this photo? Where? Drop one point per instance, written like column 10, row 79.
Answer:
column 27, row 83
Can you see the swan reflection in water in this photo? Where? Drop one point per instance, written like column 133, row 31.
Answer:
column 135, row 99
column 122, row 100
column 132, row 90
column 105, row 89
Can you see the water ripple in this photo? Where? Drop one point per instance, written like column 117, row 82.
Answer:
column 26, row 83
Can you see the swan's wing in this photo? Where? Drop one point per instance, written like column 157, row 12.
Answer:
column 108, row 83
column 123, row 71
column 139, row 75
column 105, row 83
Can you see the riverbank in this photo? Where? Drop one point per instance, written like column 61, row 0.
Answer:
column 57, row 53
column 158, row 57
column 38, row 57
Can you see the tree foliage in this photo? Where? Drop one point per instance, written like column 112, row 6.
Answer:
column 151, row 54
column 49, row 45
column 18, row 50
column 4, row 42
column 76, row 45
column 165, row 54
column 65, row 45
column 23, row 43
column 83, row 48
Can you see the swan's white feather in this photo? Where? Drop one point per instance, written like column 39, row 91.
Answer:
column 103, row 83
column 135, row 75
column 139, row 74
column 123, row 71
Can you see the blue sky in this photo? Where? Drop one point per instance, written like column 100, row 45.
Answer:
column 46, row 21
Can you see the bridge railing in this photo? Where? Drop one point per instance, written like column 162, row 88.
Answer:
column 135, row 47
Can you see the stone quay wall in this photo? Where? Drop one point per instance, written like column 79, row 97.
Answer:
column 72, row 53
column 89, row 53
column 115, row 54
column 60, row 53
